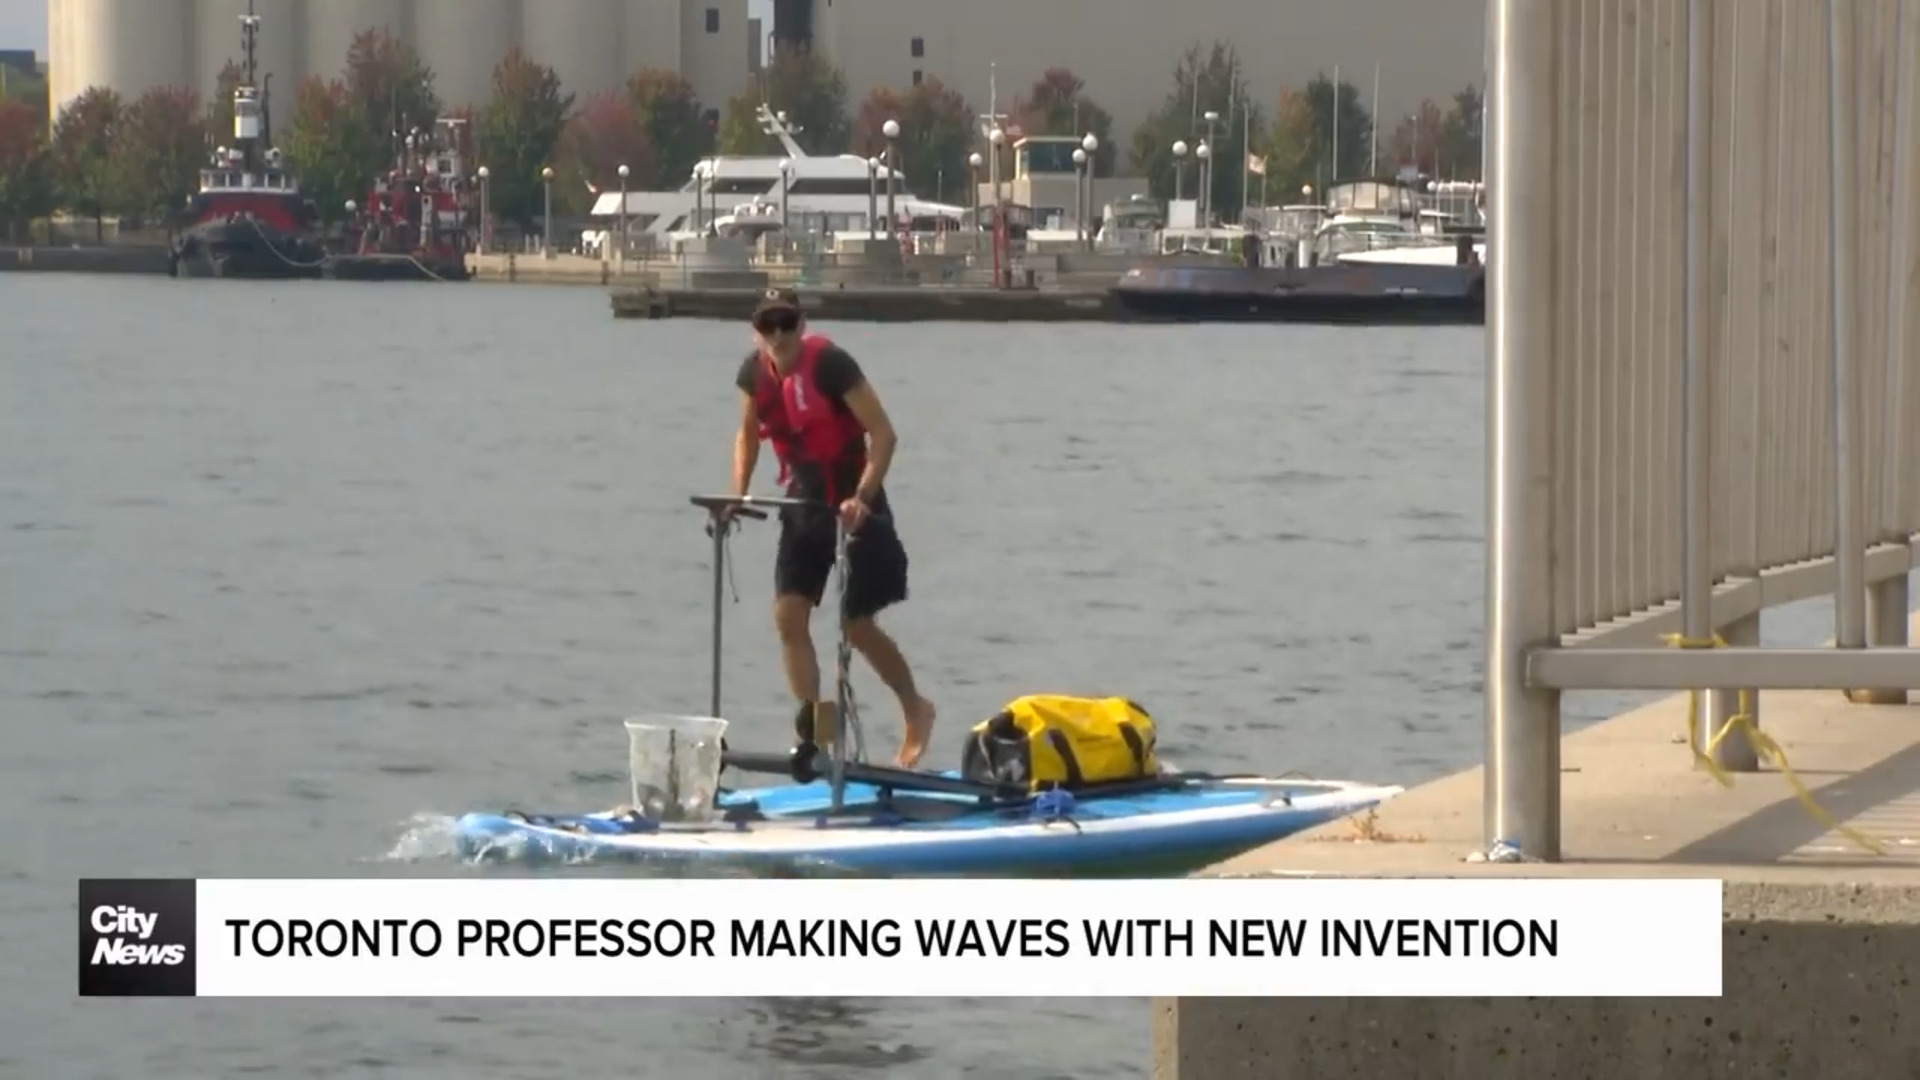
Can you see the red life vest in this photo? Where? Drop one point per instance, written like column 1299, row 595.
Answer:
column 802, row 423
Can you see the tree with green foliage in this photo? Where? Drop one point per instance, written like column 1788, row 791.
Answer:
column 1213, row 82
column 520, row 130
column 936, row 133
column 1354, row 128
column 160, row 145
column 391, row 89
column 808, row 88
column 19, row 87
column 675, row 124
column 604, row 135
column 84, row 139
column 1289, row 149
column 26, row 169
column 1461, row 135
column 325, row 143
column 1416, row 139
column 219, row 119
column 1057, row 104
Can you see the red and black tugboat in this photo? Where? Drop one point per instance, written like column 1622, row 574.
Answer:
column 250, row 219
column 414, row 226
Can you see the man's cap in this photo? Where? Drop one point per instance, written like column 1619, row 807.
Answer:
column 777, row 300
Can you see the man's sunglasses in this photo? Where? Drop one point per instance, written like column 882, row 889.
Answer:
column 784, row 321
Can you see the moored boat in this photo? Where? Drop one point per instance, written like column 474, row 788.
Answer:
column 249, row 216
column 1348, row 293
column 415, row 224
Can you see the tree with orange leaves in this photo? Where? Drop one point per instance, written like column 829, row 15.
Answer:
column 26, row 169
column 161, row 144
column 605, row 134
column 936, row 133
column 1057, row 104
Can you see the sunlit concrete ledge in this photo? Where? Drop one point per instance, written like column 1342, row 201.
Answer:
column 1821, row 939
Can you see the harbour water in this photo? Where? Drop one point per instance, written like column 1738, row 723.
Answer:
column 292, row 573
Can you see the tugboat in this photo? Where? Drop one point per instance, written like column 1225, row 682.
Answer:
column 415, row 224
column 250, row 218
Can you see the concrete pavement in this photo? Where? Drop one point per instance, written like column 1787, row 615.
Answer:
column 1822, row 937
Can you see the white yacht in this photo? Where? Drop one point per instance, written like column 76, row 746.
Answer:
column 1131, row 226
column 1376, row 222
column 747, row 196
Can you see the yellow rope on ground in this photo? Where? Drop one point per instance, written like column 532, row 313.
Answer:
column 1763, row 745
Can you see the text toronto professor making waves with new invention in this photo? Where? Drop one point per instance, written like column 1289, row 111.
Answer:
column 835, row 442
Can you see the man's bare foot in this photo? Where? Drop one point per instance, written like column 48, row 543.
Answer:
column 920, row 718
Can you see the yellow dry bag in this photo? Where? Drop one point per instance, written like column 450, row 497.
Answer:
column 1051, row 740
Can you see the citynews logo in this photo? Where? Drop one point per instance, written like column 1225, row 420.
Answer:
column 136, row 938
column 108, row 919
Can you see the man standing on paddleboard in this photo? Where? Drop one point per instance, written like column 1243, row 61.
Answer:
column 834, row 441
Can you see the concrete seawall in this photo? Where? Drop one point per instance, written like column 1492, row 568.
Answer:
column 1821, row 937
column 129, row 259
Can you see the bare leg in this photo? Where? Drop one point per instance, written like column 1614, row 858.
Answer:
column 792, row 617
column 888, row 663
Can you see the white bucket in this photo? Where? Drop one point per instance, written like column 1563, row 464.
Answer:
column 675, row 762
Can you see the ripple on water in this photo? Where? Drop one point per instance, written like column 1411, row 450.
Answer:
column 315, row 633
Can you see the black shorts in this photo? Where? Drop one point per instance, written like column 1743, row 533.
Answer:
column 876, row 560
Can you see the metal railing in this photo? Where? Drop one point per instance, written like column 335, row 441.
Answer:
column 1703, row 382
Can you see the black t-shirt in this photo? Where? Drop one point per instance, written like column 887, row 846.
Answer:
column 835, row 374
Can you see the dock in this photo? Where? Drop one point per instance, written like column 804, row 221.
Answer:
column 1689, row 426
column 150, row 259
column 1821, row 941
column 878, row 303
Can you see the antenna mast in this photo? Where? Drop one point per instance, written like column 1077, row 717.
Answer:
column 247, row 118
column 249, row 34
column 993, row 116
column 776, row 125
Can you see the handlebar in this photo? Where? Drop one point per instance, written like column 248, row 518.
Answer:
column 747, row 505
column 744, row 505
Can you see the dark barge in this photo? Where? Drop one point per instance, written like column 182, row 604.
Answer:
column 1340, row 293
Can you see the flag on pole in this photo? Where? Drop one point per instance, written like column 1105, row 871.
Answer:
column 1256, row 165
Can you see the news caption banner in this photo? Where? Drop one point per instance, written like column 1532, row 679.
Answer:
column 1266, row 937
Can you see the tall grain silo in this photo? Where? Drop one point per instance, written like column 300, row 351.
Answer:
column 60, row 51
column 130, row 46
column 652, row 34
column 216, row 35
column 580, row 40
column 332, row 24
column 462, row 40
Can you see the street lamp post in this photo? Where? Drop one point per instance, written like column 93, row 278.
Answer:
column 1179, row 169
column 1090, row 144
column 1079, row 194
column 622, row 262
column 1205, row 153
column 873, row 198
column 546, row 218
column 973, row 186
column 1207, row 163
column 786, row 181
column 891, row 129
column 1002, row 273
column 484, row 214
column 713, row 190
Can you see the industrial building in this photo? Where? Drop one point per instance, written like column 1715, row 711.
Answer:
column 134, row 45
column 1126, row 50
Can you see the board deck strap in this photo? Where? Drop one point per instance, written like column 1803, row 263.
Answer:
column 798, row 764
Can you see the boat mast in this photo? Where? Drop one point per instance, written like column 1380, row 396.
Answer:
column 246, row 96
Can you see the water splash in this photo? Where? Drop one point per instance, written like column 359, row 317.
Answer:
column 425, row 838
